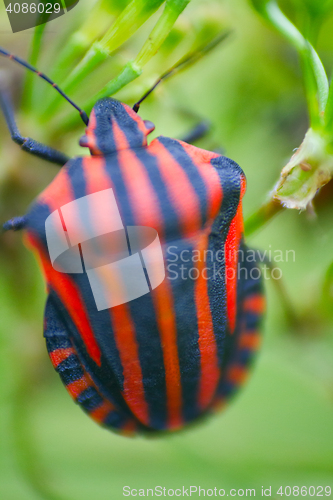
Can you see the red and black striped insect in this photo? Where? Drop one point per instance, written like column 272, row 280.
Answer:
column 183, row 345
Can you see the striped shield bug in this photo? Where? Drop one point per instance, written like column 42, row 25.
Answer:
column 152, row 315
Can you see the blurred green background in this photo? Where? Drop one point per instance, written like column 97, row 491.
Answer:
column 278, row 430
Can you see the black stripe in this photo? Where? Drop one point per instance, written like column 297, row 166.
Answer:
column 171, row 222
column 143, row 316
column 109, row 377
column 57, row 336
column 184, row 160
column 36, row 217
column 246, row 322
column 183, row 292
column 114, row 420
column 55, row 332
column 230, row 178
column 183, row 288
column 108, row 111
column 135, row 137
column 55, row 342
column 89, row 399
column 103, row 376
column 70, row 369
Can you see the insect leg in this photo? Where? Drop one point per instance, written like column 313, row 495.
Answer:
column 198, row 132
column 26, row 143
column 202, row 129
column 15, row 224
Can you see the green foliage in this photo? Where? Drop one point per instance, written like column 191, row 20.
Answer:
column 312, row 166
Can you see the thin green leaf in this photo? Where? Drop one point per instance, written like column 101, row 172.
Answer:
column 316, row 84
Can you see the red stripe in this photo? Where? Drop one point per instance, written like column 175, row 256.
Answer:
column 255, row 304
column 186, row 205
column 219, row 404
column 231, row 248
column 210, row 371
column 123, row 327
column 95, row 175
column 75, row 388
column 78, row 386
column 59, row 192
column 237, row 374
column 71, row 298
column 139, row 121
column 129, row 428
column 59, row 355
column 100, row 413
column 125, row 337
column 91, row 136
column 142, row 195
column 180, row 189
column 163, row 301
column 147, row 212
column 201, row 159
column 250, row 340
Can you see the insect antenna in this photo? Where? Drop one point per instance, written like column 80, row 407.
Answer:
column 186, row 61
column 28, row 66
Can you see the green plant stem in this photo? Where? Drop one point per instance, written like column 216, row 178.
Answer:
column 172, row 10
column 131, row 18
column 79, row 42
column 135, row 14
column 259, row 218
column 94, row 26
column 315, row 78
column 30, row 78
column 329, row 112
column 181, row 65
column 133, row 69
column 129, row 73
column 321, row 79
